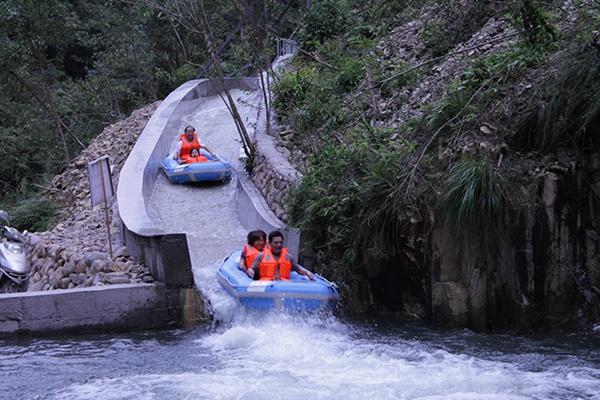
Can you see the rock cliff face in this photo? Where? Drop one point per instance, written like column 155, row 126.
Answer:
column 542, row 271
column 546, row 271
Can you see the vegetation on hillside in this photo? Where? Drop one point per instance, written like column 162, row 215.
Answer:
column 370, row 174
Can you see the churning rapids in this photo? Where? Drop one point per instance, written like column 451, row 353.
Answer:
column 280, row 356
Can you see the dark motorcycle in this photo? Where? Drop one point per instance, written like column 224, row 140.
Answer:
column 14, row 268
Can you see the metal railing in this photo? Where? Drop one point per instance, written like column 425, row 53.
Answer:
column 286, row 46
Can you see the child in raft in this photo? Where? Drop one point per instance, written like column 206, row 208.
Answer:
column 195, row 157
column 257, row 241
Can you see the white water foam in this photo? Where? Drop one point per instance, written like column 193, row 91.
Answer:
column 284, row 357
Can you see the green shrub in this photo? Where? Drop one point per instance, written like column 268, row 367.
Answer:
column 35, row 213
column 436, row 40
column 534, row 21
column 311, row 98
column 290, row 90
column 505, row 64
column 566, row 109
column 349, row 74
column 324, row 20
column 183, row 74
column 350, row 196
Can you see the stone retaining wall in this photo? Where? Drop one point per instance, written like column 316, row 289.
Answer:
column 272, row 173
column 55, row 267
column 273, row 183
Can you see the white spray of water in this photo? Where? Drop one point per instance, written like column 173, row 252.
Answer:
column 287, row 357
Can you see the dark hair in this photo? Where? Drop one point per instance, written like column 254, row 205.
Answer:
column 253, row 236
column 189, row 126
column 275, row 234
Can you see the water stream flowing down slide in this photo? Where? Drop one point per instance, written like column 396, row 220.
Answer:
column 279, row 356
column 207, row 212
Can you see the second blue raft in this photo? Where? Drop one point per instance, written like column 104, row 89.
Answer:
column 297, row 294
column 215, row 169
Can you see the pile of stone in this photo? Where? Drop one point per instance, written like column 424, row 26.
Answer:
column 56, row 267
column 70, row 188
column 75, row 253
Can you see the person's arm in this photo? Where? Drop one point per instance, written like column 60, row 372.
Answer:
column 300, row 269
column 243, row 259
column 176, row 151
column 254, row 267
column 209, row 150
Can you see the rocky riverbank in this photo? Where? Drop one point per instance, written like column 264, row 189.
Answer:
column 75, row 253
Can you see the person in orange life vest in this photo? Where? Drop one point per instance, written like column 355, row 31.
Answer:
column 195, row 156
column 188, row 141
column 256, row 244
column 275, row 263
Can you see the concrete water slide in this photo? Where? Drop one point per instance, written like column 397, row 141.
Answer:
column 177, row 228
column 165, row 224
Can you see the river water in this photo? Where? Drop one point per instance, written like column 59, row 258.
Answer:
column 278, row 356
column 319, row 357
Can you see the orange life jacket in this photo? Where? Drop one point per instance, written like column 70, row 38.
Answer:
column 187, row 146
column 269, row 265
column 249, row 254
column 192, row 160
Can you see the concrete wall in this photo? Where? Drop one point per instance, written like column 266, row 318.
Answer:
column 116, row 307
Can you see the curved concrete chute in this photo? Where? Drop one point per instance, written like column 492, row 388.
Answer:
column 174, row 227
column 141, row 168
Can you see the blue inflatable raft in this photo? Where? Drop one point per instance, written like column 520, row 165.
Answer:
column 297, row 294
column 216, row 169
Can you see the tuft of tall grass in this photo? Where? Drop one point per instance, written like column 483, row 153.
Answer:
column 473, row 201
